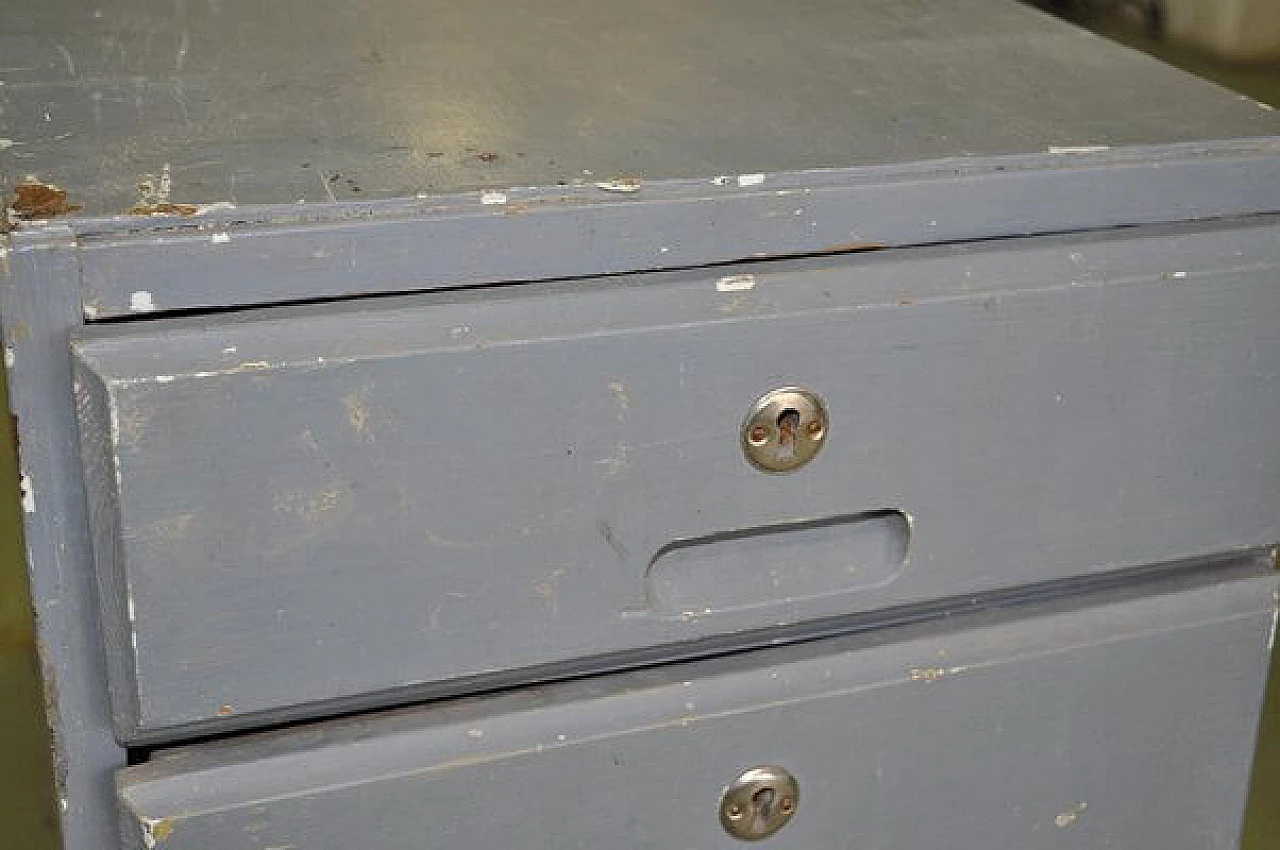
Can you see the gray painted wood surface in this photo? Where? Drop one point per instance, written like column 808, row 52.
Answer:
column 316, row 100
column 274, row 254
column 39, row 303
column 351, row 501
column 1124, row 721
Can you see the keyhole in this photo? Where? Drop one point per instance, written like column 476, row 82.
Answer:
column 762, row 808
column 788, row 425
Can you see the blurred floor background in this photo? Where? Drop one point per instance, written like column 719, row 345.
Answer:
column 27, row 815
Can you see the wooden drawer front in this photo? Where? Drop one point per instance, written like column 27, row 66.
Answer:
column 1126, row 722
column 345, row 504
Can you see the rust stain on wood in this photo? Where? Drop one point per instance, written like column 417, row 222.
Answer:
column 35, row 200
column 164, row 208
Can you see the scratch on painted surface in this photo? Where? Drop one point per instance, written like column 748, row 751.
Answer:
column 621, row 398
column 358, row 414
column 547, row 588
column 311, row 508
column 1069, row 817
column 616, row 464
column 933, row 674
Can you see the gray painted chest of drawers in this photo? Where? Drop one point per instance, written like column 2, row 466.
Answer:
column 560, row 424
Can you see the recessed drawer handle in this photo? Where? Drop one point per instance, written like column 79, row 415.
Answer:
column 778, row 564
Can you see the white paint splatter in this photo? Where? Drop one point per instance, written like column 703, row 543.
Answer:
column 10, row 357
column 141, row 302
column 164, row 379
column 722, row 180
column 5, row 144
column 493, row 197
column 736, row 283
column 220, row 238
column 475, row 733
column 132, row 609
column 218, row 206
column 1069, row 149
column 28, row 494
column 1178, row 275
column 230, row 349
column 750, row 179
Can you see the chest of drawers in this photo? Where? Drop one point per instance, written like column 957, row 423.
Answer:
column 846, row 424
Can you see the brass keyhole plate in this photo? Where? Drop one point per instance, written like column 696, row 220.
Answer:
column 784, row 430
column 759, row 802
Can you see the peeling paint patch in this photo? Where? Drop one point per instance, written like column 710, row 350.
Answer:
column 142, row 302
column 745, row 180
column 1070, row 149
column 28, row 494
column 736, row 283
column 1070, row 816
column 493, row 197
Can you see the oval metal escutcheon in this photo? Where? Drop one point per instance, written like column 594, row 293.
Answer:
column 784, row 430
column 759, row 802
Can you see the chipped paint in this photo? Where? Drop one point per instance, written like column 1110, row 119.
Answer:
column 141, row 301
column 1070, row 149
column 745, row 180
column 358, row 415
column 155, row 830
column 933, row 674
column 28, row 494
column 216, row 206
column 493, row 198
column 616, row 464
column 311, row 508
column 1070, row 816
column 736, row 283
column 220, row 237
column 625, row 185
column 620, row 397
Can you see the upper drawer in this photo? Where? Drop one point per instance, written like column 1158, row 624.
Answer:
column 354, row 502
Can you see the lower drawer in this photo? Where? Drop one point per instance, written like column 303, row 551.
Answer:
column 1124, row 719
